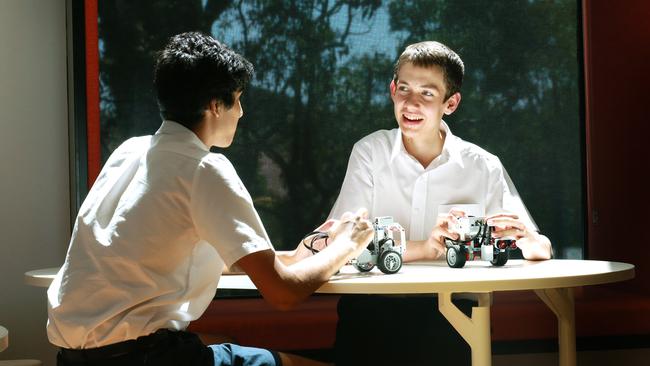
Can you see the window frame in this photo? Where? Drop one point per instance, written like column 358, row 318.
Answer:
column 84, row 107
column 83, row 99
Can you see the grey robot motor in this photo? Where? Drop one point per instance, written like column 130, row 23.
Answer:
column 383, row 251
column 475, row 241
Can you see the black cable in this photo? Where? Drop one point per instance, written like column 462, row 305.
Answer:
column 316, row 235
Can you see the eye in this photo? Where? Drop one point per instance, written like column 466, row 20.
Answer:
column 403, row 89
column 428, row 93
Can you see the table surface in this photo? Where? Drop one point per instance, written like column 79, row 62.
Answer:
column 552, row 280
column 432, row 277
column 476, row 276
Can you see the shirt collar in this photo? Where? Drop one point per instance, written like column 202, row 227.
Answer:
column 398, row 145
column 178, row 130
column 449, row 147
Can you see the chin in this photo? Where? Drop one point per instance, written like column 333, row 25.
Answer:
column 223, row 142
column 410, row 129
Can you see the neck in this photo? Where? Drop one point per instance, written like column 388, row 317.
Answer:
column 425, row 150
column 202, row 132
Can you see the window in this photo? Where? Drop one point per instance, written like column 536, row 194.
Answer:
column 322, row 74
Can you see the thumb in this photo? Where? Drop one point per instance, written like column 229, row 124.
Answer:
column 362, row 212
column 326, row 225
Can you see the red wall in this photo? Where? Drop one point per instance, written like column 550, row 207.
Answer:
column 617, row 70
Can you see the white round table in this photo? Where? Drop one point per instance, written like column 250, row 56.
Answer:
column 41, row 277
column 552, row 281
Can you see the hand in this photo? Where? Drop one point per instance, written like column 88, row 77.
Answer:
column 533, row 245
column 444, row 224
column 507, row 225
column 434, row 247
column 354, row 227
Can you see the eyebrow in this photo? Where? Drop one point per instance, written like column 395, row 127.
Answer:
column 427, row 86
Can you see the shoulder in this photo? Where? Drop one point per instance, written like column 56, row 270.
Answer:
column 215, row 174
column 215, row 168
column 138, row 143
column 134, row 145
column 217, row 164
column 475, row 154
column 378, row 140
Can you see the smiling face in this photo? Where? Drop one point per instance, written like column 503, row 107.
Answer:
column 419, row 101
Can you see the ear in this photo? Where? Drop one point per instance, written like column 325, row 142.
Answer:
column 452, row 103
column 392, row 87
column 214, row 107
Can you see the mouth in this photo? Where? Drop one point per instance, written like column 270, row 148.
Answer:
column 412, row 119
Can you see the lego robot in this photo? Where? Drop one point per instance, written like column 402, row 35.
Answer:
column 383, row 251
column 475, row 241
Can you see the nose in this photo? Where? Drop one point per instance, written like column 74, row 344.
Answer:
column 411, row 99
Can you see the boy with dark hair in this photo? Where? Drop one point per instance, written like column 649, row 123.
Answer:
column 424, row 177
column 163, row 220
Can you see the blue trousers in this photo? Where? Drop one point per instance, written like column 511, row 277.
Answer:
column 168, row 348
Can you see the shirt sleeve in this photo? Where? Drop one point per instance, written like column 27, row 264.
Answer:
column 223, row 211
column 503, row 197
column 357, row 188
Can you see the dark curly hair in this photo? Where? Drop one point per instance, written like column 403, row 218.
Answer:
column 431, row 53
column 192, row 70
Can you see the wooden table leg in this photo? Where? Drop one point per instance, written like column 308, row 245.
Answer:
column 475, row 330
column 560, row 300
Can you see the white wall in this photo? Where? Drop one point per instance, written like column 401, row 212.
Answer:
column 34, row 184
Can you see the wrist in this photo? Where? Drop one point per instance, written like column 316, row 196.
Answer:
column 346, row 246
column 417, row 250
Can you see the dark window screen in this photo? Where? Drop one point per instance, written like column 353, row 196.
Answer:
column 322, row 74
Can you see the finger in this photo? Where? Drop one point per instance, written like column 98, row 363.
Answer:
column 347, row 216
column 334, row 228
column 440, row 232
column 362, row 232
column 503, row 214
column 517, row 233
column 451, row 219
column 362, row 224
column 506, row 222
column 457, row 212
column 326, row 225
column 445, row 218
column 362, row 212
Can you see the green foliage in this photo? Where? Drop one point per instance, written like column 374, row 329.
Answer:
column 520, row 96
column 316, row 92
column 130, row 34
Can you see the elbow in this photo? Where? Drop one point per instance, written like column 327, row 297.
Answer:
column 284, row 302
column 284, row 305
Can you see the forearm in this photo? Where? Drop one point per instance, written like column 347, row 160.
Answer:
column 285, row 282
column 419, row 250
column 317, row 269
column 288, row 257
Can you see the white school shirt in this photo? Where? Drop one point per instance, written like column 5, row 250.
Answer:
column 150, row 241
column 384, row 178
